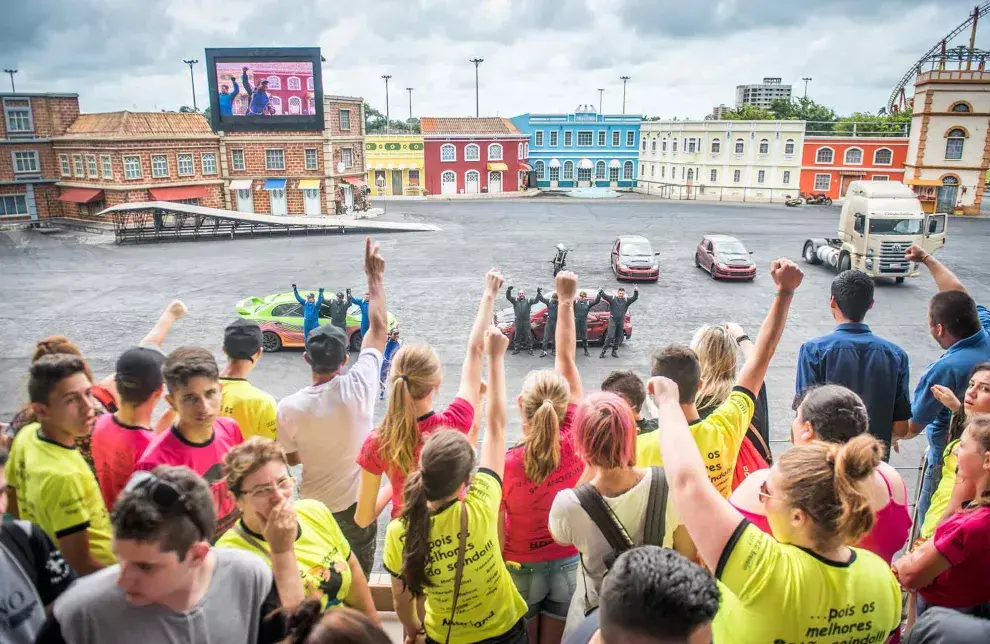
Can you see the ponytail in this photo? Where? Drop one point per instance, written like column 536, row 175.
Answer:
column 855, row 462
column 414, row 374
column 416, row 515
column 299, row 623
column 308, row 624
column 544, row 399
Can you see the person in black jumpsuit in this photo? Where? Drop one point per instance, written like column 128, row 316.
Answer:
column 618, row 306
column 581, row 309
column 522, row 337
column 550, row 328
column 338, row 311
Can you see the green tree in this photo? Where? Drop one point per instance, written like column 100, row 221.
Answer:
column 749, row 113
column 867, row 124
column 374, row 123
column 801, row 109
column 185, row 109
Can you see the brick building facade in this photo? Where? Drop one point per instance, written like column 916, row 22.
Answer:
column 343, row 118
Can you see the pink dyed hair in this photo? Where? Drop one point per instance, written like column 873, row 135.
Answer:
column 605, row 435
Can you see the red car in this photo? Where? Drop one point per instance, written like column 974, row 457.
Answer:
column 633, row 259
column 725, row 257
column 597, row 320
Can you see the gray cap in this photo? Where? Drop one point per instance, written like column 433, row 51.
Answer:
column 326, row 348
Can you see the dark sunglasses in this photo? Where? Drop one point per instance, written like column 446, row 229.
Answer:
column 165, row 496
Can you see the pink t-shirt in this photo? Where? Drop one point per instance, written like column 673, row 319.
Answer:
column 459, row 416
column 527, row 506
column 206, row 459
column 116, row 449
column 964, row 541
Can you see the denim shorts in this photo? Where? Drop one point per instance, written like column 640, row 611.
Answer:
column 546, row 586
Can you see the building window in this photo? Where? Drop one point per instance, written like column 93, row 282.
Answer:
column 714, row 176
column 309, row 83
column 347, row 156
column 472, row 153
column 77, row 166
column 274, row 82
column 954, row 144
column 881, row 177
column 736, row 176
column 716, row 146
column 824, row 155
column 960, row 107
column 159, row 165
column 630, row 139
column 554, row 170
column 18, row 119
column 615, row 139
column 107, row 163
column 600, row 170
column 789, row 146
column 690, row 174
column 294, row 83
column 627, row 171
column 653, row 146
column 414, row 177
column 823, row 182
column 295, row 105
column 663, row 145
column 673, row 147
column 345, row 119
column 568, row 138
column 653, row 171
column 495, row 152
column 740, row 146
column 209, row 163
column 274, row 159
column 663, row 171
column 584, row 138
column 275, row 103
column 91, row 169
column 448, row 152
column 554, row 138
column 525, row 150
column 854, row 156
column 691, row 145
column 787, row 177
column 644, row 145
column 761, row 176
column 883, row 156
column 63, row 162
column 568, row 170
column 26, row 162
column 538, row 138
column 764, row 146
column 237, row 159
column 601, row 138
column 311, row 159
column 186, row 165
column 540, row 170
column 11, row 205
column 132, row 167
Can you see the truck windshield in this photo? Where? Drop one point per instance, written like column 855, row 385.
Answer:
column 895, row 226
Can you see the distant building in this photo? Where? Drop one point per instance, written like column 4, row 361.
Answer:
column 583, row 148
column 831, row 163
column 720, row 111
column 472, row 155
column 395, row 164
column 762, row 95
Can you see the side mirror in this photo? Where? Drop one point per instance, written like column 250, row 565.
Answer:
column 750, row 252
column 656, row 254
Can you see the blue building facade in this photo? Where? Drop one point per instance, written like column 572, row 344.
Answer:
column 583, row 149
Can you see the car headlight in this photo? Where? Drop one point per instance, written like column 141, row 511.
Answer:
column 869, row 264
column 870, row 252
column 623, row 267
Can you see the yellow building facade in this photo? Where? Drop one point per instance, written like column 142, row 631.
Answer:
column 395, row 164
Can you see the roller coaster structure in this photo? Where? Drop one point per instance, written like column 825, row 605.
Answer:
column 938, row 55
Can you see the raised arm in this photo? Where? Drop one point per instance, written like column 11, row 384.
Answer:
column 787, row 276
column 295, row 292
column 374, row 269
column 174, row 312
column 319, row 299
column 565, row 339
column 470, row 388
column 508, row 295
column 603, row 296
column 598, row 298
column 237, row 89
column 945, row 279
column 540, row 298
column 493, row 449
column 634, row 297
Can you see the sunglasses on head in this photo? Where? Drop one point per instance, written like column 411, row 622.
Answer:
column 165, row 495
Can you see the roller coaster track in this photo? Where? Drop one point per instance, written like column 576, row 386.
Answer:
column 897, row 96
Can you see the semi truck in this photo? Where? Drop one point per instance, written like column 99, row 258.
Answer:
column 878, row 223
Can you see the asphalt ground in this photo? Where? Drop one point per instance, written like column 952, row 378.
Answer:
column 105, row 297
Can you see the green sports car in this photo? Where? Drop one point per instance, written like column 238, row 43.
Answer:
column 281, row 319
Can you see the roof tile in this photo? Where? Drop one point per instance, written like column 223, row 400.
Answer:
column 138, row 124
column 485, row 125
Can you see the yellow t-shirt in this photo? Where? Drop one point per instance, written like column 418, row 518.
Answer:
column 718, row 438
column 488, row 604
column 322, row 552
column 773, row 592
column 57, row 490
column 940, row 498
column 252, row 408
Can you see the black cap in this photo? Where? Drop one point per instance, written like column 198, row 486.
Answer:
column 242, row 339
column 326, row 348
column 139, row 373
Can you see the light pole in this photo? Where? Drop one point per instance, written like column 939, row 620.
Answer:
column 601, row 92
column 476, row 61
column 624, row 79
column 410, row 90
column 11, row 72
column 806, row 79
column 386, row 77
column 192, row 80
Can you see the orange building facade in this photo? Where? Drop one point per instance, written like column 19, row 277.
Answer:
column 831, row 163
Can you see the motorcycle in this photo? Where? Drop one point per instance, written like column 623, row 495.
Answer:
column 817, row 199
column 793, row 202
column 560, row 259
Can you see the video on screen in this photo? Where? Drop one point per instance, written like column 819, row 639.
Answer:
column 265, row 89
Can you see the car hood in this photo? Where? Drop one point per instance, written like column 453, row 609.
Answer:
column 735, row 259
column 637, row 260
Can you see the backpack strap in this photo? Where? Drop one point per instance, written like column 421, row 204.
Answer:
column 654, row 530
column 603, row 517
column 459, row 570
column 759, row 443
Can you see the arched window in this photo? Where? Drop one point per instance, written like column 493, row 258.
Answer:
column 854, row 156
column 961, row 106
column 275, row 103
column 950, row 180
column 568, row 170
column 716, row 146
column 764, row 146
column 295, row 105
column 309, row 83
column 954, row 143
column 627, row 171
column 740, row 146
column 520, row 152
column 825, row 155
column 472, row 153
column 653, row 146
column 495, row 152
column 613, row 172
column 448, row 152
column 554, row 172
column 883, row 156
column 540, row 169
column 448, row 176
column 673, row 147
column 274, row 82
column 690, row 175
column 600, row 170
column 293, row 83
column 312, row 106
column 472, row 176
column 789, row 146
column 663, row 145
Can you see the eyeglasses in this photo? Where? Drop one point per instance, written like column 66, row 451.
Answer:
column 765, row 492
column 285, row 484
column 164, row 495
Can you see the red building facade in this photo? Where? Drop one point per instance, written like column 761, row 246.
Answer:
column 472, row 155
column 831, row 163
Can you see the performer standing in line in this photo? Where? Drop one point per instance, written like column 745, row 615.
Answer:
column 618, row 306
column 311, row 310
column 226, row 98
column 338, row 311
column 582, row 307
column 522, row 337
column 363, row 305
column 391, row 346
column 550, row 329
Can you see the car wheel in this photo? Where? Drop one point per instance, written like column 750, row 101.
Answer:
column 711, row 272
column 356, row 341
column 271, row 342
column 696, row 262
column 845, row 263
column 899, row 280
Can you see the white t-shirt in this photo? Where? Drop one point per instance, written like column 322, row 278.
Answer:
column 570, row 524
column 326, row 425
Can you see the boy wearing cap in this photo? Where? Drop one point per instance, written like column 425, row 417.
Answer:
column 252, row 408
column 120, row 439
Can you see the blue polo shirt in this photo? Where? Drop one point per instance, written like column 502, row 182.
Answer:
column 876, row 369
column 952, row 370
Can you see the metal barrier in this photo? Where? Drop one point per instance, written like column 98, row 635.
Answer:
column 703, row 192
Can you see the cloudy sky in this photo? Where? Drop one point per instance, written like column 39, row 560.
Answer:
column 684, row 56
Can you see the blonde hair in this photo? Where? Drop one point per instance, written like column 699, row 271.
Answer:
column 544, row 399
column 247, row 458
column 978, row 426
column 717, row 352
column 415, row 372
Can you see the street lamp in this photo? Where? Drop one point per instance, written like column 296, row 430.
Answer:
column 601, row 91
column 410, row 90
column 806, row 79
column 11, row 72
column 386, row 77
column 476, row 61
column 624, row 79
column 192, row 80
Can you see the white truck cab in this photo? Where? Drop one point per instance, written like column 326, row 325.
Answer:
column 878, row 223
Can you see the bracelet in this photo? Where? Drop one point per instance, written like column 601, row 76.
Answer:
column 740, row 339
column 783, row 293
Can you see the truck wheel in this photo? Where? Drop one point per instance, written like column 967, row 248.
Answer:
column 899, row 280
column 811, row 253
column 845, row 263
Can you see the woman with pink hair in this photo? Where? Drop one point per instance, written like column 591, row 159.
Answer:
column 605, row 438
